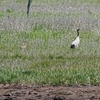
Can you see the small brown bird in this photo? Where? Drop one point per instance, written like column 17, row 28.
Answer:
column 24, row 45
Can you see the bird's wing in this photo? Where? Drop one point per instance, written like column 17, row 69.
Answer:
column 76, row 41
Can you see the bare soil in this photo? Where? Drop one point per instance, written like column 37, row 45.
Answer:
column 30, row 92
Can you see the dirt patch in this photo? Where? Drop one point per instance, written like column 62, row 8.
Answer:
column 20, row 92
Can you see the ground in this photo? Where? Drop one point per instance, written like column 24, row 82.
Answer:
column 30, row 92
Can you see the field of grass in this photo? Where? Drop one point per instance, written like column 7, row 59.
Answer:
column 49, row 31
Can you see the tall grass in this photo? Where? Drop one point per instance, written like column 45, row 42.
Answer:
column 47, row 58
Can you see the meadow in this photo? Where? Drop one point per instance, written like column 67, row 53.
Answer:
column 49, row 31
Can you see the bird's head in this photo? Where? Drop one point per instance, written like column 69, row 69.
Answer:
column 78, row 29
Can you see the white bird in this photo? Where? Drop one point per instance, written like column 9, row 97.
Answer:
column 76, row 42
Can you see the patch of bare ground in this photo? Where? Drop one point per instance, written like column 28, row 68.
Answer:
column 30, row 92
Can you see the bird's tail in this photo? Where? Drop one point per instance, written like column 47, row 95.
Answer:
column 72, row 46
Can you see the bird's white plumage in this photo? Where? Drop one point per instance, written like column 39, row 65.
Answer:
column 76, row 42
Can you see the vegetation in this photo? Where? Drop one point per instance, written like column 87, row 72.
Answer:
column 49, row 31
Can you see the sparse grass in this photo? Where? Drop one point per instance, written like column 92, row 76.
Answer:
column 47, row 58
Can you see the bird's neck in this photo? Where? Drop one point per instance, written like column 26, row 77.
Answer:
column 77, row 33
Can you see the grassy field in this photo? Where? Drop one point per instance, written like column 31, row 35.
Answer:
column 49, row 31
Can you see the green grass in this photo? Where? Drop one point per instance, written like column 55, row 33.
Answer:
column 46, row 72
column 47, row 58
column 1, row 14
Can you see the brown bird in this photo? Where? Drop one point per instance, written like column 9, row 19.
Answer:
column 24, row 45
